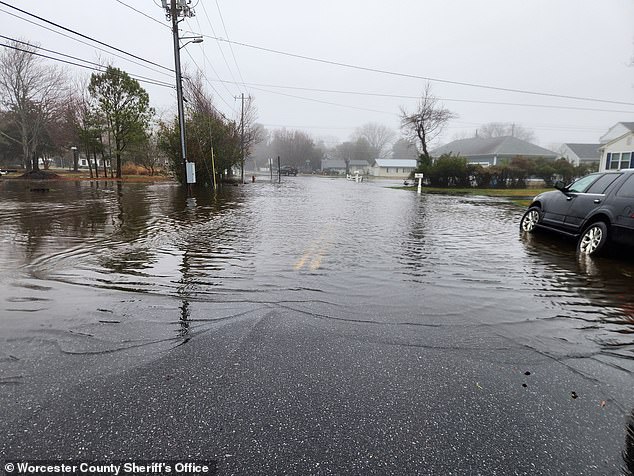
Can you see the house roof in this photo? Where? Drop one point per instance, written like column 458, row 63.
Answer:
column 333, row 164
column 341, row 164
column 617, row 130
column 505, row 146
column 586, row 151
column 396, row 163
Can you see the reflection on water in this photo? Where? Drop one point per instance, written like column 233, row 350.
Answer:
column 163, row 268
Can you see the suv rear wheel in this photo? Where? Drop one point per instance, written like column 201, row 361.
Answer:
column 593, row 239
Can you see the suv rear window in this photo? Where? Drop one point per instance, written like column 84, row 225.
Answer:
column 602, row 183
column 627, row 189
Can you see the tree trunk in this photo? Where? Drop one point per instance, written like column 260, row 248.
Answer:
column 87, row 152
column 94, row 156
column 118, row 164
column 35, row 166
column 89, row 163
column 117, row 146
column 26, row 157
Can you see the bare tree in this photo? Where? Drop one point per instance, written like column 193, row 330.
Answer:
column 31, row 90
column 427, row 122
column 502, row 129
column 147, row 153
column 378, row 136
column 404, row 149
column 253, row 132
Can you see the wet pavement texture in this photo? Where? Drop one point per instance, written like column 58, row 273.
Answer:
column 317, row 326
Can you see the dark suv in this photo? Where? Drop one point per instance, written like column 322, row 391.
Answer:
column 596, row 209
column 288, row 170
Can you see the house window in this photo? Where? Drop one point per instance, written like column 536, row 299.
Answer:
column 619, row 160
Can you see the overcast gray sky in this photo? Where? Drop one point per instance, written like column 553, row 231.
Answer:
column 581, row 48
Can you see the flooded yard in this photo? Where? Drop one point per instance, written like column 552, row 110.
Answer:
column 316, row 326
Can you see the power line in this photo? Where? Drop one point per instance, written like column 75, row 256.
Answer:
column 144, row 14
column 222, row 53
column 83, row 42
column 414, row 76
column 100, row 68
column 230, row 47
column 203, row 51
column 211, row 85
column 324, row 102
column 85, row 36
column 399, row 96
column 207, row 61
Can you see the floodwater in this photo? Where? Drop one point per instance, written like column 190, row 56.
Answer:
column 97, row 279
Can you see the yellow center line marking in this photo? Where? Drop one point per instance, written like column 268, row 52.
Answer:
column 302, row 261
column 316, row 262
column 315, row 252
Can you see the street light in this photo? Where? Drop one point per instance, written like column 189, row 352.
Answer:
column 193, row 39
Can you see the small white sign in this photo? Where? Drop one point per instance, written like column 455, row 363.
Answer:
column 191, row 172
column 418, row 176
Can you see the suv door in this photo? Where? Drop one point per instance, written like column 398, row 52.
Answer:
column 558, row 206
column 622, row 206
column 584, row 204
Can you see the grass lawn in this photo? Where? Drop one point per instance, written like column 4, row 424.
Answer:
column 84, row 175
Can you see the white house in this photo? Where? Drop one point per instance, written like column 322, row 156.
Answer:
column 582, row 154
column 393, row 168
column 617, row 149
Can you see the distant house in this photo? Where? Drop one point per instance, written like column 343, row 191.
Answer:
column 617, row 147
column 338, row 166
column 582, row 154
column 494, row 150
column 393, row 168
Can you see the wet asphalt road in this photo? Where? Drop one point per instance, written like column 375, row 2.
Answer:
column 312, row 327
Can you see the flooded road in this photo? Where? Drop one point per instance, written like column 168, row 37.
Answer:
column 316, row 326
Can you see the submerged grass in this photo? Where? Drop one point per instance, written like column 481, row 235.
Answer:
column 520, row 196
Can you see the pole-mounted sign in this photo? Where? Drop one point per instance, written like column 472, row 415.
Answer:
column 420, row 181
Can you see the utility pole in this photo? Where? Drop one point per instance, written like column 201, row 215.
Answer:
column 241, row 97
column 176, row 9
column 242, row 140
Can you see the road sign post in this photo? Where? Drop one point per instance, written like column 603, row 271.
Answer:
column 420, row 182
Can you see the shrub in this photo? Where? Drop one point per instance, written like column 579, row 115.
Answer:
column 132, row 169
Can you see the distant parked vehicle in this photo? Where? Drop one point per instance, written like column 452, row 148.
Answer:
column 596, row 209
column 288, row 170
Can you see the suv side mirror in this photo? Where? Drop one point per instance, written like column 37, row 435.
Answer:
column 560, row 185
